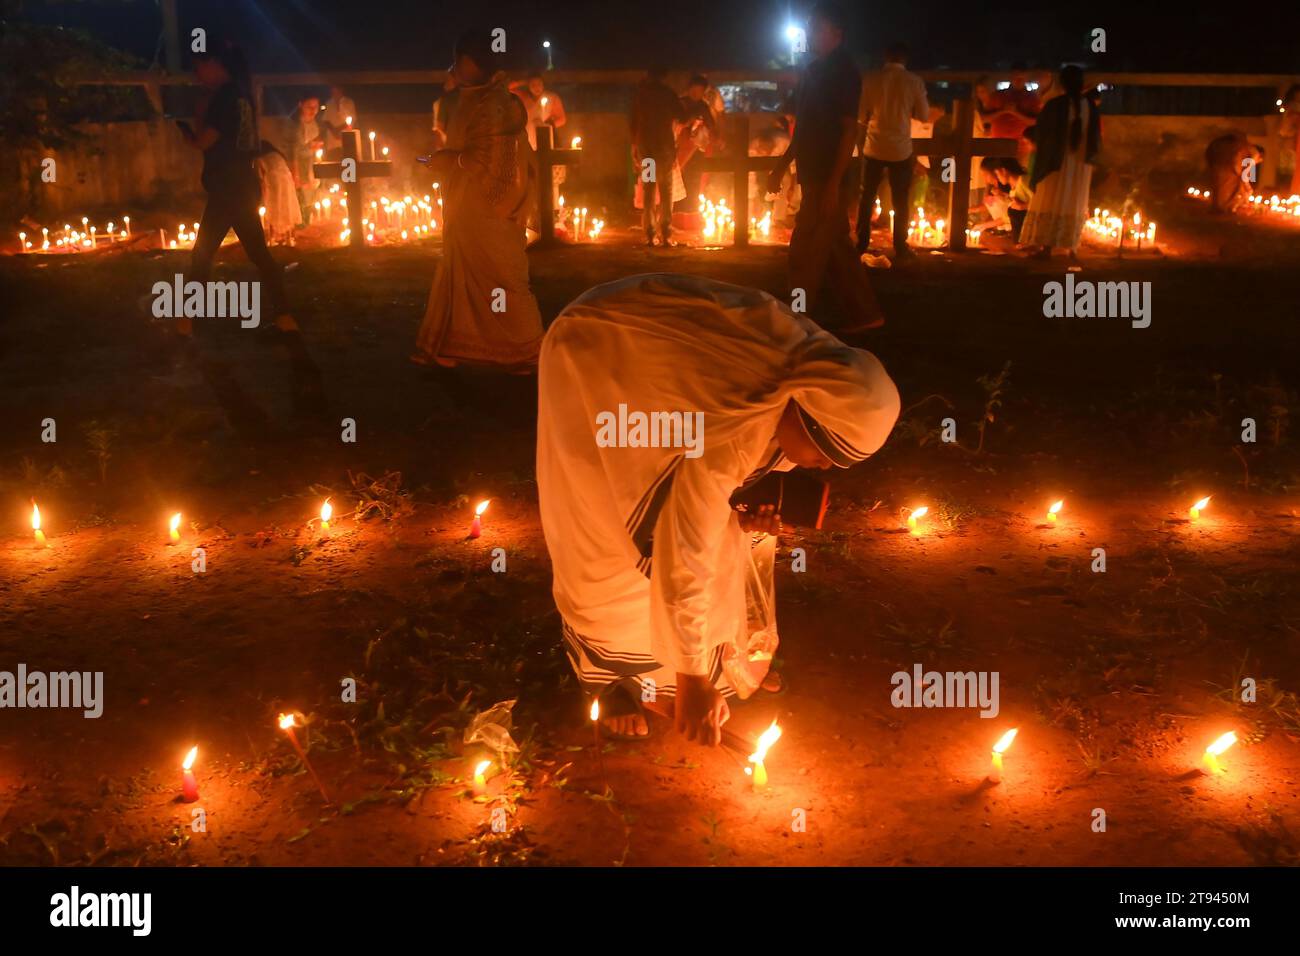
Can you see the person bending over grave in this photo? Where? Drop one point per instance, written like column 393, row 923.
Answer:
column 664, row 588
column 226, row 132
column 481, row 310
column 1232, row 162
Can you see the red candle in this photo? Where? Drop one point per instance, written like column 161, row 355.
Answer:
column 189, row 786
column 476, row 528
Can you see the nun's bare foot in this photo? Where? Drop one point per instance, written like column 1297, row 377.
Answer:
column 627, row 725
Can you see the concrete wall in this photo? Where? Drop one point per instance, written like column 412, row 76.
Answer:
column 122, row 167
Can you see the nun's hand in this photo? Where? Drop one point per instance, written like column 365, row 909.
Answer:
column 699, row 711
column 763, row 519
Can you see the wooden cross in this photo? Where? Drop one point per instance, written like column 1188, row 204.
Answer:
column 549, row 157
column 365, row 169
column 962, row 146
column 740, row 166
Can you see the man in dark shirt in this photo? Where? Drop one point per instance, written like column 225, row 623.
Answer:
column 655, row 107
column 227, row 135
column 826, row 127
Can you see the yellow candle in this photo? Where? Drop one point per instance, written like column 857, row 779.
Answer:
column 1194, row 513
column 999, row 748
column 175, row 528
column 1210, row 762
column 1054, row 510
column 480, row 781
column 916, row 515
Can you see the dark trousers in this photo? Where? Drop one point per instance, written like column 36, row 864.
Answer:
column 900, row 187
column 663, row 184
column 820, row 245
column 237, row 210
column 1017, row 217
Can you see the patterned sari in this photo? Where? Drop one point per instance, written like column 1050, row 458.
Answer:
column 481, row 310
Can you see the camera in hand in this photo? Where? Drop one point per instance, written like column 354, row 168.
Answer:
column 799, row 497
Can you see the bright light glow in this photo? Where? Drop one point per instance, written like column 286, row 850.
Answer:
column 36, row 517
column 765, row 742
column 482, row 767
column 1005, row 741
column 482, row 506
column 189, row 758
column 1222, row 744
column 326, row 511
column 286, row 722
column 595, row 711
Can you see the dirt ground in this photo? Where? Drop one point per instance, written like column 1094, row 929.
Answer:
column 1117, row 681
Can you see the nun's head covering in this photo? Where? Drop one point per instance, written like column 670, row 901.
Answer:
column 846, row 401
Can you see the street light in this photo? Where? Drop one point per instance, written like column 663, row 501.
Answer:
column 797, row 39
column 546, row 45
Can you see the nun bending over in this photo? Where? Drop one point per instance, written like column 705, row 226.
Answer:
column 659, row 397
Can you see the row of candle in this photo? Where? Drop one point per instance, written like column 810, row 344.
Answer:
column 765, row 741
column 1103, row 227
column 915, row 516
column 925, row 234
column 719, row 222
column 576, row 221
column 914, row 520
column 1209, row 760
column 1210, row 765
column 68, row 239
column 1257, row 204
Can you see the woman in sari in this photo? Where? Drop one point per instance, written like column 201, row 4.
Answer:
column 1068, row 137
column 481, row 310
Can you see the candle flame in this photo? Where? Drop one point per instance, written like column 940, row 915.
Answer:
column 286, row 721
column 1201, row 505
column 482, row 506
column 1005, row 740
column 481, row 768
column 176, row 521
column 326, row 511
column 189, row 758
column 595, row 711
column 765, row 742
column 1222, row 744
column 36, row 517
column 921, row 512
column 575, row 143
column 1056, row 508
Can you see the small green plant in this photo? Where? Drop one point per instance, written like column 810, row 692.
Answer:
column 994, row 387
column 100, row 438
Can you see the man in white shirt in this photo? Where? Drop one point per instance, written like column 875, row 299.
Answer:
column 894, row 97
column 339, row 113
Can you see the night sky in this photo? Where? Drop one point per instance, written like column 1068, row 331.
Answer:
column 298, row 35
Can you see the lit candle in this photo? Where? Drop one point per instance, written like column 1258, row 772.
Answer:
column 1194, row 513
column 916, row 515
column 476, row 528
column 175, row 527
column 189, row 785
column 347, row 122
column 480, row 781
column 126, row 221
column 371, row 135
column 575, row 143
column 36, row 527
column 1054, row 510
column 287, row 723
column 765, row 742
column 1210, row 762
column 999, row 748
column 326, row 512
